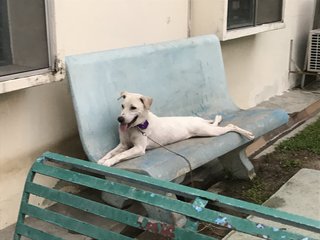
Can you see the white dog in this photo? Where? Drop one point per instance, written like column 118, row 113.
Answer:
column 140, row 129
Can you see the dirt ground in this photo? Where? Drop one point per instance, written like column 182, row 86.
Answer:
column 272, row 170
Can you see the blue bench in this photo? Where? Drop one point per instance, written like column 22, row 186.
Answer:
column 184, row 77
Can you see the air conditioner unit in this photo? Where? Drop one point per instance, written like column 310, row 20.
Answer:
column 314, row 51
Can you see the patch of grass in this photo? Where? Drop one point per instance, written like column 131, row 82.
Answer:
column 256, row 193
column 308, row 140
column 291, row 163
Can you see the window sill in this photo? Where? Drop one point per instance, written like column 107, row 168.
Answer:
column 242, row 32
column 30, row 81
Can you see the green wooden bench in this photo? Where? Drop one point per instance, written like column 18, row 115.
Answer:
column 194, row 205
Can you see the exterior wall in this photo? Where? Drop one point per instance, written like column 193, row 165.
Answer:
column 257, row 66
column 38, row 119
column 99, row 25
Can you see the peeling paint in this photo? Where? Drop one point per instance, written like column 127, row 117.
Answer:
column 153, row 226
column 31, row 81
column 222, row 221
column 199, row 204
column 260, row 226
column 197, row 208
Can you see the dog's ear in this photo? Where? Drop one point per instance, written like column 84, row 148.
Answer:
column 147, row 101
column 123, row 94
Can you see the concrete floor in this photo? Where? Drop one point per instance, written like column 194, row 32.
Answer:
column 291, row 101
column 300, row 195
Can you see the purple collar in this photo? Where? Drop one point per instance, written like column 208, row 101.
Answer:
column 144, row 125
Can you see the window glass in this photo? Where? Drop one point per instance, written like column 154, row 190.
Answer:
column 240, row 13
column 23, row 36
column 246, row 13
column 269, row 11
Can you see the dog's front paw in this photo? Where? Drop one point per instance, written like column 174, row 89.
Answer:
column 109, row 162
column 101, row 161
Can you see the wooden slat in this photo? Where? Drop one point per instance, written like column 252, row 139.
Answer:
column 33, row 233
column 70, row 223
column 239, row 224
column 188, row 192
column 105, row 211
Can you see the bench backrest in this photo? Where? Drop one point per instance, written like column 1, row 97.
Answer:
column 184, row 77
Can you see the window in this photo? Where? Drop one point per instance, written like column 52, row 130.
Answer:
column 246, row 13
column 23, row 37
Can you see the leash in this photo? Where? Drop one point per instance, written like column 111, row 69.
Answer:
column 169, row 150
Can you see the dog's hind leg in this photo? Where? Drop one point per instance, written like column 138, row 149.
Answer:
column 241, row 131
column 217, row 131
column 212, row 130
column 216, row 121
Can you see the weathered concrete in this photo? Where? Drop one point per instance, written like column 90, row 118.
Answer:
column 300, row 195
column 292, row 101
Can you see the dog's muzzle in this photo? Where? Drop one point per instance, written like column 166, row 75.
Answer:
column 123, row 125
column 121, row 119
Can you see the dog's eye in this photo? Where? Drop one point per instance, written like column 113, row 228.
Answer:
column 122, row 106
column 133, row 108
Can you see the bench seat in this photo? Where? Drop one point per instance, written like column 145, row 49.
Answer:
column 184, row 78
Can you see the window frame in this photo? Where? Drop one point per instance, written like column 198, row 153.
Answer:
column 51, row 45
column 254, row 19
column 250, row 30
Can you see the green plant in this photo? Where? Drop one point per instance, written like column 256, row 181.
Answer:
column 308, row 139
column 291, row 163
column 256, row 192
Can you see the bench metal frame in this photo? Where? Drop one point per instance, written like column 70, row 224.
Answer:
column 66, row 168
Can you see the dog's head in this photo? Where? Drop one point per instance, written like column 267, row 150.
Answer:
column 135, row 108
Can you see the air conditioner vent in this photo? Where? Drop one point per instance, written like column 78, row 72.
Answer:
column 314, row 51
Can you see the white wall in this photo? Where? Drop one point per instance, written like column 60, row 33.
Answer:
column 99, row 25
column 257, row 66
column 41, row 118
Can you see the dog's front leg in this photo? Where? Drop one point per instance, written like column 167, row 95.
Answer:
column 133, row 152
column 118, row 149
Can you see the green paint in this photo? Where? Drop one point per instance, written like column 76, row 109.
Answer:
column 195, row 211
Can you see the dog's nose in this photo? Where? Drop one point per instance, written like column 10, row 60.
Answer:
column 120, row 119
